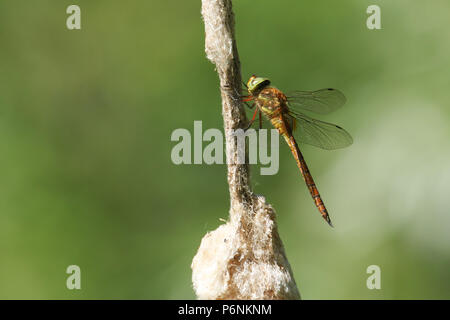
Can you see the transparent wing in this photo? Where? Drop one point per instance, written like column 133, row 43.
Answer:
column 320, row 101
column 321, row 134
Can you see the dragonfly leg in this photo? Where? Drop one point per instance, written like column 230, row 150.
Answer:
column 260, row 119
column 247, row 98
column 250, row 106
column 251, row 121
column 237, row 96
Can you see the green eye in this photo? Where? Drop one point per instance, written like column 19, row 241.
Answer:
column 257, row 83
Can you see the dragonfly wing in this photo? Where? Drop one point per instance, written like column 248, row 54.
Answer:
column 321, row 134
column 320, row 101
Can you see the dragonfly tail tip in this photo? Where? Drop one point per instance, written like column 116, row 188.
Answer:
column 329, row 222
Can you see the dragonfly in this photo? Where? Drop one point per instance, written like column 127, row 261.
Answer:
column 284, row 111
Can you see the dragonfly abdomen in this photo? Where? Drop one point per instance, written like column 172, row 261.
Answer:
column 283, row 127
column 308, row 178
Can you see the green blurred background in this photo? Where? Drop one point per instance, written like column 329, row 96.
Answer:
column 86, row 118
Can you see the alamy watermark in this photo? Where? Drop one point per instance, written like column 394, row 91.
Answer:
column 74, row 280
column 373, row 22
column 73, row 21
column 374, row 280
column 213, row 152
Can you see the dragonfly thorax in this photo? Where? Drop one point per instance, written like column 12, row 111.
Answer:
column 271, row 101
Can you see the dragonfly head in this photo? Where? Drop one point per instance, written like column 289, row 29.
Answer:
column 256, row 84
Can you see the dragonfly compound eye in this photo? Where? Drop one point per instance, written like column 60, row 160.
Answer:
column 256, row 84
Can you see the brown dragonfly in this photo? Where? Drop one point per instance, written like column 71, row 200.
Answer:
column 283, row 111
